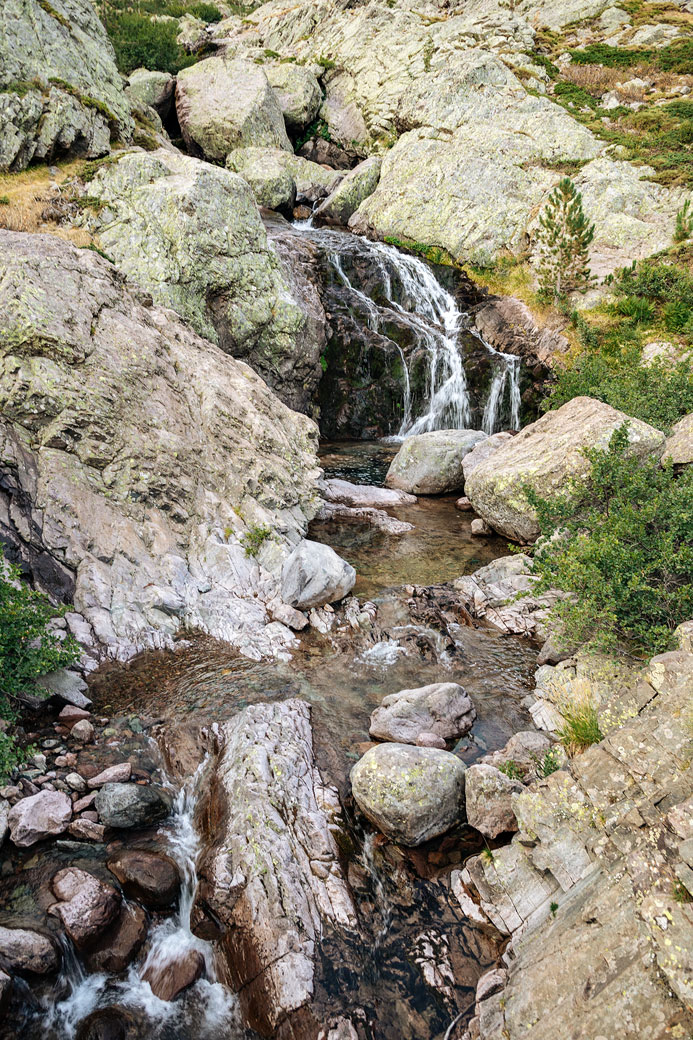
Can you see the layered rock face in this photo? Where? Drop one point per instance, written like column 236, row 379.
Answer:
column 472, row 154
column 136, row 456
column 592, row 889
column 60, row 92
column 272, row 877
column 190, row 234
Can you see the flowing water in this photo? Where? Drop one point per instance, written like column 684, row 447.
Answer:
column 402, row 301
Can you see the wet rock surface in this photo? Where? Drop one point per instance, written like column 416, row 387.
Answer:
column 441, row 709
column 314, row 575
column 24, row 950
column 272, row 877
column 87, row 906
column 411, row 794
column 151, row 878
column 128, row 805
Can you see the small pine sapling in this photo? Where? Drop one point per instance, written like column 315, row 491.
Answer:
column 564, row 238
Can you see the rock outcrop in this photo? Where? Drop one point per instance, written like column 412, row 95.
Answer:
column 298, row 93
column 544, row 456
column 224, row 104
column 410, row 793
column 272, row 879
column 488, row 800
column 136, row 456
column 584, row 875
column 129, row 805
column 361, row 182
column 501, row 592
column 190, row 234
column 679, row 444
column 60, row 92
column 431, row 463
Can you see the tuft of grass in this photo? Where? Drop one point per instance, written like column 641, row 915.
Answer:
column 548, row 764
column 581, row 726
column 512, row 770
column 681, row 893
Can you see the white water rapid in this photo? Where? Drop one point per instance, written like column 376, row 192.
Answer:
column 207, row 1010
column 407, row 290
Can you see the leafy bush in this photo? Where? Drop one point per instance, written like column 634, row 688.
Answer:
column 254, row 538
column 657, row 281
column 676, row 57
column 28, row 649
column 684, row 222
column 640, row 311
column 619, row 543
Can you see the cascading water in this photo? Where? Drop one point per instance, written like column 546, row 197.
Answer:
column 401, row 294
column 207, row 1006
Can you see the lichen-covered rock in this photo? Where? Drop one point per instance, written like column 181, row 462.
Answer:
column 444, row 709
column 272, row 877
column 190, row 234
column 272, row 183
column 544, row 456
column 410, row 793
column 136, row 455
column 224, row 104
column 350, row 192
column 152, row 88
column 39, row 816
column 492, row 592
column 60, row 92
column 483, row 450
column 488, row 800
column 431, row 463
column 679, row 444
column 298, row 93
column 314, row 575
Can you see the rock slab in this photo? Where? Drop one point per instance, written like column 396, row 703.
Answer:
column 444, row 709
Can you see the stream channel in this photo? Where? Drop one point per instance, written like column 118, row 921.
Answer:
column 417, row 958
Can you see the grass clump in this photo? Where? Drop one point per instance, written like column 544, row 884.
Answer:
column 619, row 543
column 580, row 727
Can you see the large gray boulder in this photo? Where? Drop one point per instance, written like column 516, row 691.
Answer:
column 298, row 93
column 39, row 816
column 132, row 502
column 60, row 92
column 545, row 456
column 190, row 234
column 260, row 167
column 411, row 794
column 314, row 575
column 224, row 104
column 350, row 192
column 152, row 88
column 679, row 443
column 271, row 875
column 431, row 463
column 128, row 805
column 24, row 950
column 488, row 799
column 269, row 177
column 441, row 708
column 483, row 450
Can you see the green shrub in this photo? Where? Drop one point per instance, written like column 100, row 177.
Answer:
column 619, row 543
column 254, row 538
column 640, row 311
column 656, row 281
column 548, row 764
column 684, row 222
column 205, row 12
column 511, row 769
column 4, row 200
column 28, row 649
column 580, row 727
column 611, row 57
column 676, row 316
column 140, row 42
column 676, row 57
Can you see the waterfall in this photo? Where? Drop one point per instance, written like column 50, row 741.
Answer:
column 402, row 291
column 382, row 900
column 208, row 1008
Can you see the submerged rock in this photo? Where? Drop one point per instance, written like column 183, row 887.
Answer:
column 87, row 906
column 169, row 978
column 129, row 805
column 132, row 504
column 544, row 456
column 272, row 878
column 110, row 1023
column 121, row 942
column 224, row 104
column 24, row 950
column 431, row 463
column 314, row 575
column 60, row 91
column 361, row 496
column 443, row 709
column 40, row 816
column 411, row 794
column 488, row 799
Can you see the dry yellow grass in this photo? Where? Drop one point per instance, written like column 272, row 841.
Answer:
column 28, row 193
